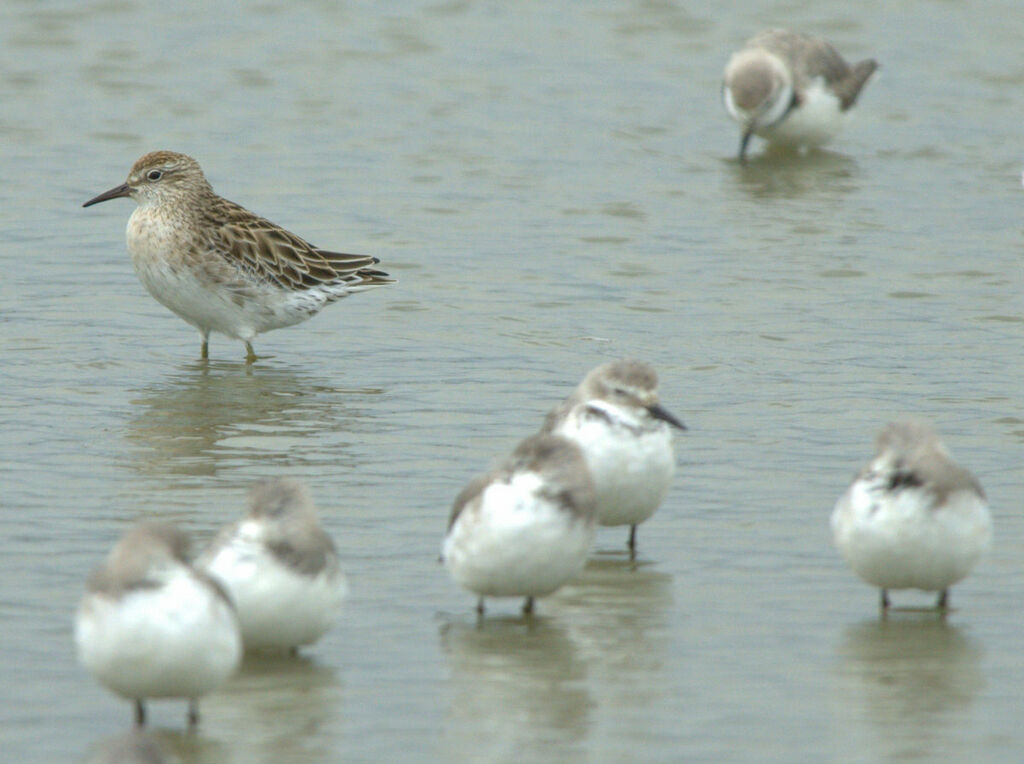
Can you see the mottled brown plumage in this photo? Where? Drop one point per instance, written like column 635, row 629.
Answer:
column 221, row 267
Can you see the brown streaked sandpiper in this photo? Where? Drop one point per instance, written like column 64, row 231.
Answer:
column 791, row 89
column 219, row 266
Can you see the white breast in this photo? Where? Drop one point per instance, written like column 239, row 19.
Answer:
column 511, row 541
column 630, row 458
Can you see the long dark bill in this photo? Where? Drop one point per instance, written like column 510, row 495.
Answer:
column 744, row 141
column 658, row 412
column 114, row 193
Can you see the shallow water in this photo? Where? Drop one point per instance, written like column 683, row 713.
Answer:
column 553, row 187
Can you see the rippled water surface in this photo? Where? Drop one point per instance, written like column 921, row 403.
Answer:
column 553, row 185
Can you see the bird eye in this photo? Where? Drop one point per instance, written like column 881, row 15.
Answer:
column 154, row 174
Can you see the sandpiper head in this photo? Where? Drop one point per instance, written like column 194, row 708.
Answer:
column 911, row 445
column 281, row 500
column 628, row 383
column 157, row 176
column 562, row 463
column 757, row 91
column 907, row 436
column 144, row 546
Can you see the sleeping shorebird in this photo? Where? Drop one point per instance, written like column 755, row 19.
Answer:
column 280, row 568
column 152, row 626
column 525, row 528
column 913, row 518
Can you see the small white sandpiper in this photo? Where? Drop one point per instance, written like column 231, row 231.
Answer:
column 913, row 518
column 525, row 528
column 615, row 418
column 152, row 626
column 219, row 266
column 792, row 89
column 280, row 568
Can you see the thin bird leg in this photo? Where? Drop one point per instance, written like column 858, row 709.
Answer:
column 943, row 603
column 193, row 713
column 480, row 606
column 204, row 351
column 632, row 542
column 250, row 354
column 528, row 606
column 140, row 713
column 885, row 602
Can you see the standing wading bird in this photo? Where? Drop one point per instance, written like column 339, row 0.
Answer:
column 280, row 568
column 152, row 626
column 913, row 518
column 791, row 89
column 219, row 266
column 616, row 420
column 524, row 528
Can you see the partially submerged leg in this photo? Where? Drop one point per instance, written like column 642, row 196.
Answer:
column 528, row 606
column 140, row 713
column 632, row 542
column 943, row 603
column 250, row 354
column 884, row 603
column 193, row 713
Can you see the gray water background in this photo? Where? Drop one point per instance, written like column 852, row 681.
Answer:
column 553, row 185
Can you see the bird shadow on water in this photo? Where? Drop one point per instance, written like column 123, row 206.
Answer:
column 518, row 685
column 909, row 679
column 157, row 746
column 206, row 414
column 787, row 174
column 520, row 682
column 284, row 704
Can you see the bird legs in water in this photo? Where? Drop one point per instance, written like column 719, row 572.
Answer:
column 941, row 605
column 631, row 544
column 193, row 713
column 528, row 606
column 204, row 351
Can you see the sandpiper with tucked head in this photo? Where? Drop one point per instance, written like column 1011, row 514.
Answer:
column 615, row 418
column 792, row 89
column 525, row 528
column 219, row 266
column 912, row 518
column 280, row 568
column 152, row 626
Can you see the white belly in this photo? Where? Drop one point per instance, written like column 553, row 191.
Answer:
column 174, row 641
column 277, row 607
column 209, row 292
column 512, row 542
column 816, row 121
column 899, row 541
column 632, row 469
